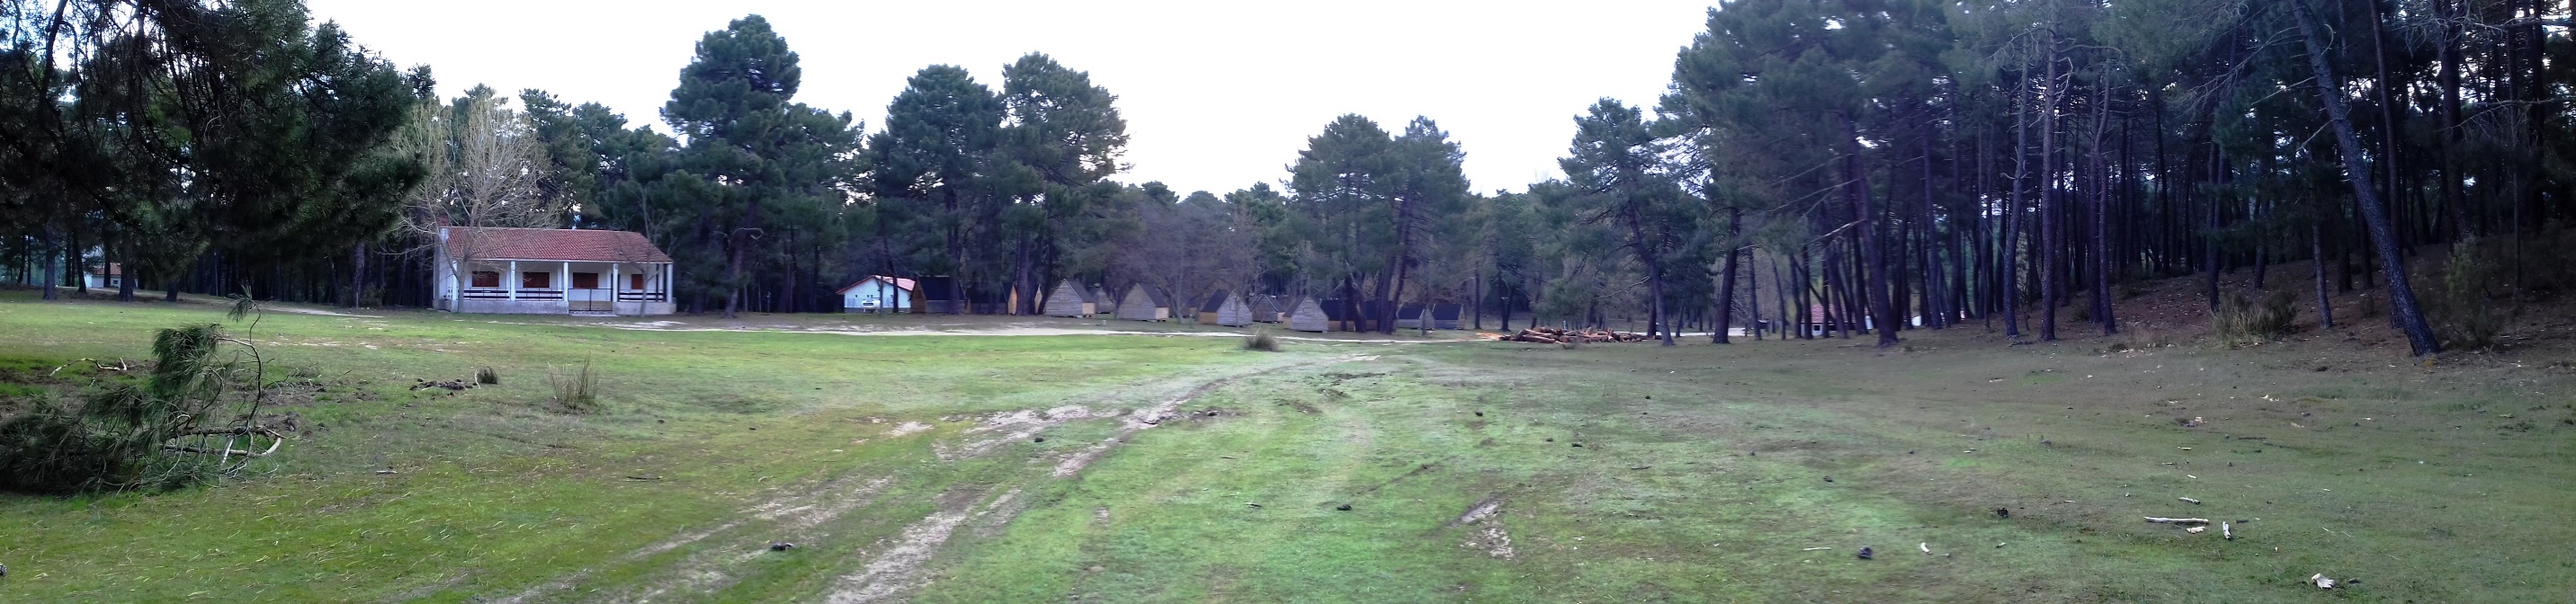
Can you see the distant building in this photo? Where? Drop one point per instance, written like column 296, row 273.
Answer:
column 1102, row 302
column 1071, row 300
column 550, row 271
column 1225, row 308
column 1144, row 303
column 1308, row 315
column 1266, row 309
column 878, row 294
column 105, row 276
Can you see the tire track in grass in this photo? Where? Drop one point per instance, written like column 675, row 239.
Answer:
column 899, row 569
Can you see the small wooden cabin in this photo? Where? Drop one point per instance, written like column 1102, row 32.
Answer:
column 1346, row 315
column 1144, row 303
column 1309, row 315
column 1071, row 300
column 1225, row 308
column 1265, row 309
column 1102, row 302
column 1446, row 315
column 1409, row 317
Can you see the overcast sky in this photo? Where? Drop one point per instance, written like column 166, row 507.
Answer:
column 1217, row 95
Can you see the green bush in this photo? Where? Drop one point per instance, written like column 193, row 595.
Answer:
column 1262, row 342
column 2463, row 314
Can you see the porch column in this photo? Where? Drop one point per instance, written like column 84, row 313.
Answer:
column 512, row 278
column 614, row 287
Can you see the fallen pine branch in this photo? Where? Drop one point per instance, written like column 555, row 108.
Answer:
column 222, row 451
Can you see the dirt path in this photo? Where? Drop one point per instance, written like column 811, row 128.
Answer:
column 896, row 564
column 898, row 569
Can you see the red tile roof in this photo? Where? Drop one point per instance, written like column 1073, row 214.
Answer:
column 555, row 244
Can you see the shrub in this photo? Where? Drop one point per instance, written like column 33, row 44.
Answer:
column 2462, row 311
column 577, row 391
column 487, row 376
column 2241, row 320
column 1262, row 342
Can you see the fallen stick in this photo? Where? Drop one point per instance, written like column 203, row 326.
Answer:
column 228, row 451
column 2189, row 500
column 2177, row 520
column 1926, row 547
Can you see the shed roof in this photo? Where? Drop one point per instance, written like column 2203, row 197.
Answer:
column 1154, row 296
column 1215, row 301
column 553, row 244
column 899, row 283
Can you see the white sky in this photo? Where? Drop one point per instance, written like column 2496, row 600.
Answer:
column 1217, row 95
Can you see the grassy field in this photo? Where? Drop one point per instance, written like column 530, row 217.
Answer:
column 1090, row 468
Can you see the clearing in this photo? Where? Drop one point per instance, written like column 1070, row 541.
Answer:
column 1119, row 467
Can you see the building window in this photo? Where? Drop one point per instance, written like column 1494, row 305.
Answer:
column 585, row 280
column 487, row 279
column 536, row 280
column 635, row 282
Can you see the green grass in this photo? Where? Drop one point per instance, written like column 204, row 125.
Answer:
column 1702, row 475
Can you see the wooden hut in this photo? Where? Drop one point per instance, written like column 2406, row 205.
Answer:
column 1265, row 309
column 1409, row 317
column 1446, row 315
column 1144, row 303
column 1070, row 300
column 1102, row 302
column 1225, row 308
column 1346, row 315
column 1309, row 315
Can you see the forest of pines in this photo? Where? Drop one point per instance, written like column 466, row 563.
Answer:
column 1836, row 165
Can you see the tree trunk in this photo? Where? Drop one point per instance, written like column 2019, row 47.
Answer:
column 2325, row 297
column 741, row 243
column 2009, row 282
column 357, row 274
column 1878, row 292
column 2102, row 263
column 1726, row 283
column 2401, row 294
column 2048, row 221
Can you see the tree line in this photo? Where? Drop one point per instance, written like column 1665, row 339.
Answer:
column 1816, row 168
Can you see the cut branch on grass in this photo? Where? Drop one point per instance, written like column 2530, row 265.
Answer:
column 157, row 434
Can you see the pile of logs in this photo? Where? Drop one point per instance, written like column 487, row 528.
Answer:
column 1550, row 335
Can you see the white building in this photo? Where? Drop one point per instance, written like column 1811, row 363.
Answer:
column 551, row 271
column 108, row 275
column 878, row 293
